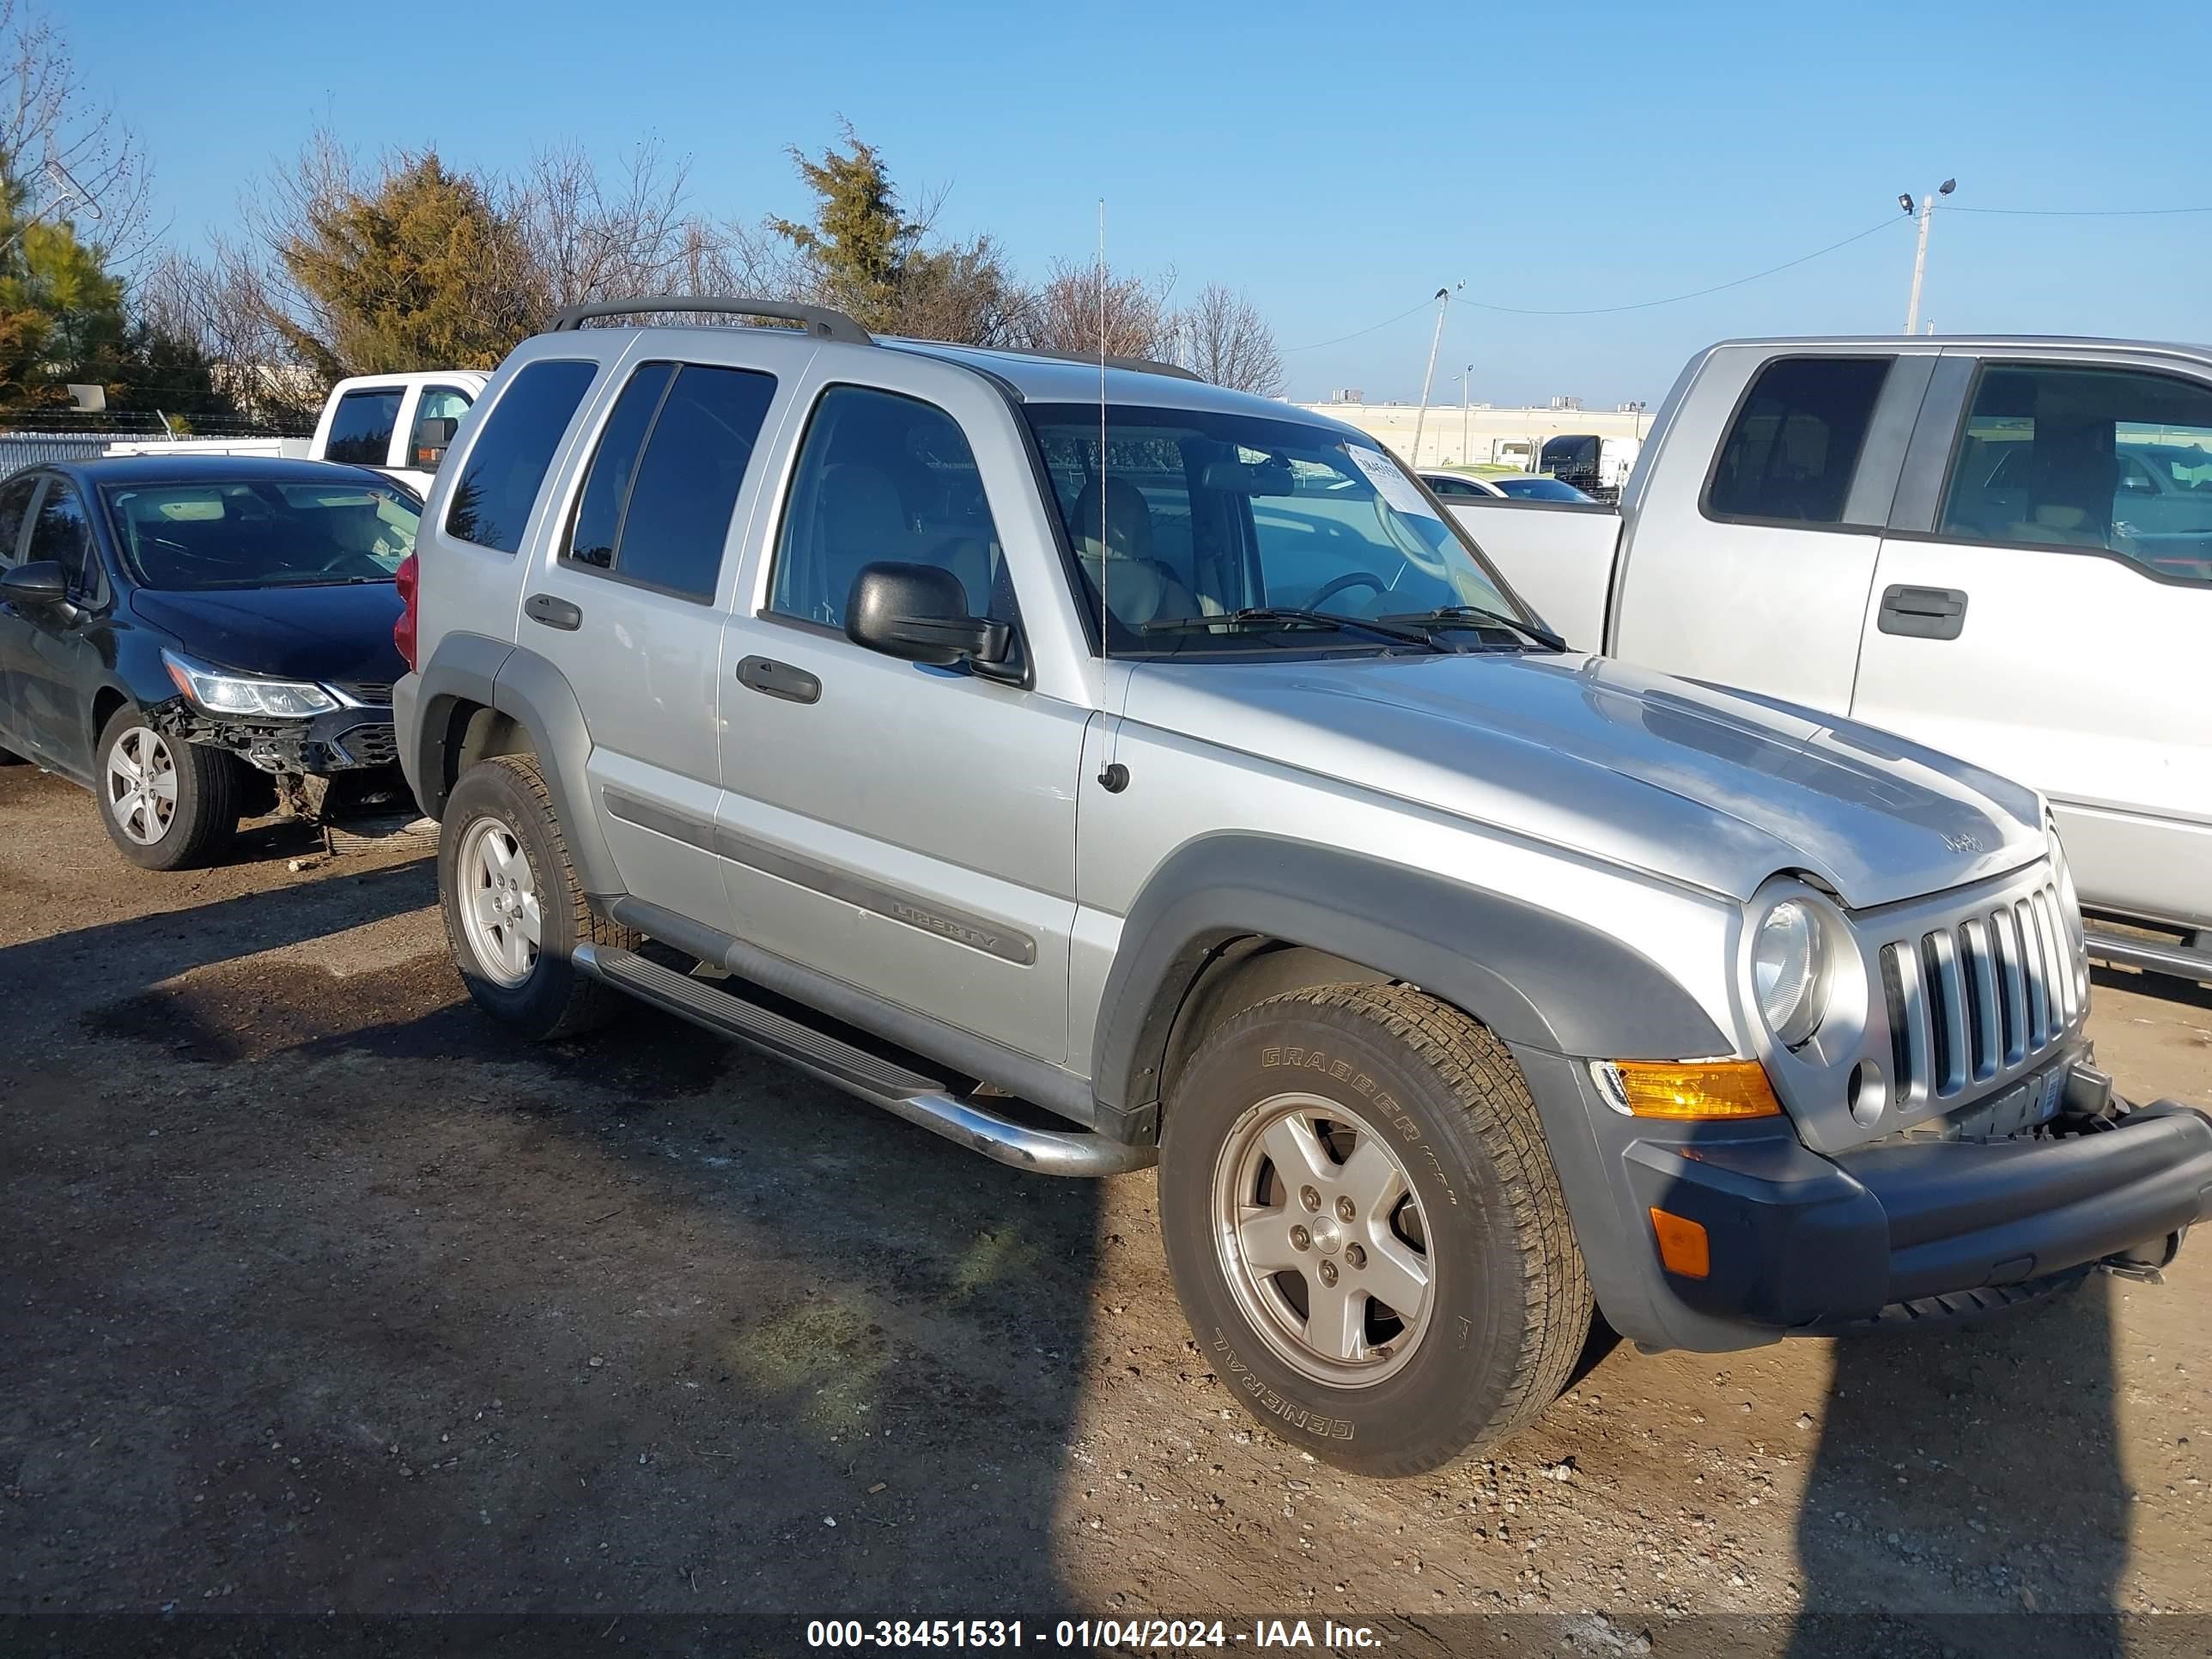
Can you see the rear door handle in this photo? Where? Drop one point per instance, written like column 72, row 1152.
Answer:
column 554, row 612
column 1922, row 613
column 780, row 679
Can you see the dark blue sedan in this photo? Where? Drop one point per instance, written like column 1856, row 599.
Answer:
column 197, row 639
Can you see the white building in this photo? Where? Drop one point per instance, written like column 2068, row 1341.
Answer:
column 1480, row 435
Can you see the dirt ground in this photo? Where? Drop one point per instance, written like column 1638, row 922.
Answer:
column 319, row 1294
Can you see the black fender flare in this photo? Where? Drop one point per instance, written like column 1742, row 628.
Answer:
column 1537, row 979
column 536, row 696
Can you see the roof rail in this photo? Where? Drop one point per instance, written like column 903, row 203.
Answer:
column 820, row 320
column 1136, row 365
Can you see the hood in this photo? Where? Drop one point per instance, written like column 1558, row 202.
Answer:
column 335, row 633
column 1690, row 782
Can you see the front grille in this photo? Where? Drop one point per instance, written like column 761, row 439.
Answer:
column 371, row 694
column 1981, row 996
column 368, row 745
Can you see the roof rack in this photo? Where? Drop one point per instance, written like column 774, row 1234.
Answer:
column 1136, row 365
column 825, row 324
column 820, row 320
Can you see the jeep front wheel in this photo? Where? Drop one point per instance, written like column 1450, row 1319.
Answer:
column 1365, row 1231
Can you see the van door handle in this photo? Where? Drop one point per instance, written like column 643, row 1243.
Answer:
column 780, row 679
column 1922, row 613
column 554, row 612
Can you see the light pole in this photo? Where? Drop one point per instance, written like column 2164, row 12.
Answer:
column 1920, row 253
column 1466, row 456
column 1428, row 379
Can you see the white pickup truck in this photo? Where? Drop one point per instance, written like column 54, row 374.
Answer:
column 1997, row 547
column 398, row 424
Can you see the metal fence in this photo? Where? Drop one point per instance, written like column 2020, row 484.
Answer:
column 21, row 449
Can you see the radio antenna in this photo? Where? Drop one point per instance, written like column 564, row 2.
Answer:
column 1105, row 553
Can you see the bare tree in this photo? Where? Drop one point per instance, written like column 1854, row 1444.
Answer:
column 1222, row 337
column 1083, row 309
column 220, row 304
column 593, row 237
column 66, row 150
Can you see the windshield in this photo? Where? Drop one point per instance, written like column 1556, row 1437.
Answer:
column 1526, row 488
column 1203, row 512
column 256, row 533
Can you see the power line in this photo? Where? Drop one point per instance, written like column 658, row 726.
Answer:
column 2075, row 213
column 1639, row 305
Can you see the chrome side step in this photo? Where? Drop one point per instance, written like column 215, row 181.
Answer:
column 924, row 1100
column 2151, row 955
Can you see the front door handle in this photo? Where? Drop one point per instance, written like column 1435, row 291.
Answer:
column 1922, row 613
column 780, row 679
column 554, row 612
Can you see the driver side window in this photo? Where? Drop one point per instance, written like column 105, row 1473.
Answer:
column 14, row 503
column 62, row 534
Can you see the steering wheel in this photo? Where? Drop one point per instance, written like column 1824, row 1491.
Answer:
column 1330, row 589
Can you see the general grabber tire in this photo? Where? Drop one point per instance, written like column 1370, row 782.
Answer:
column 514, row 910
column 1334, row 1153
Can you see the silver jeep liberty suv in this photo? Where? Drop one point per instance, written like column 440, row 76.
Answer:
column 1098, row 769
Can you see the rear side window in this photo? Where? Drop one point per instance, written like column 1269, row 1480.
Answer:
column 360, row 427
column 656, row 504
column 506, row 465
column 1792, row 452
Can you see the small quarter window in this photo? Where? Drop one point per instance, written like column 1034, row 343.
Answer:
column 1794, row 449
column 508, row 462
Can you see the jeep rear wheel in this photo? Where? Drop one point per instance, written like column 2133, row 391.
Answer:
column 1365, row 1231
column 514, row 911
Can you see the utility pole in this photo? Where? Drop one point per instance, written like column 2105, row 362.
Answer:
column 1920, row 253
column 1466, row 454
column 1428, row 379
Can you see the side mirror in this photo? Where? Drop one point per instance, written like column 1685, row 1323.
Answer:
column 42, row 582
column 918, row 612
column 432, row 438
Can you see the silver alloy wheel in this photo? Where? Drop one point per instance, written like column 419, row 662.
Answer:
column 498, row 896
column 1322, row 1240
column 142, row 785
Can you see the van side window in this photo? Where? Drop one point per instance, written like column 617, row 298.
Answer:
column 2103, row 458
column 514, row 448
column 360, row 427
column 664, row 480
column 884, row 476
column 1791, row 453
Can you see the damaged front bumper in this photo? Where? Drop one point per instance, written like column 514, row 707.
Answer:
column 353, row 738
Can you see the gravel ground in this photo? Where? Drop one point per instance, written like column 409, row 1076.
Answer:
column 321, row 1294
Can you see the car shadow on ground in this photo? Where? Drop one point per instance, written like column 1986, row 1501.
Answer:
column 2165, row 987
column 1923, row 1530
column 333, row 1294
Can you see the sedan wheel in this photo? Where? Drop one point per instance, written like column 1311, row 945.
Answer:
column 142, row 785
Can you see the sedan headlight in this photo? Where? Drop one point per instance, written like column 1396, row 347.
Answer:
column 219, row 691
column 1789, row 972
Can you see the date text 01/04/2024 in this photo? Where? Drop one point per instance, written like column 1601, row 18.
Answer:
column 1081, row 1634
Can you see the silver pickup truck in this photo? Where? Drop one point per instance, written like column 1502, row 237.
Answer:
column 1100, row 769
column 2000, row 548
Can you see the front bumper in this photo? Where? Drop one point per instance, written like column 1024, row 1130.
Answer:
column 346, row 739
column 1802, row 1243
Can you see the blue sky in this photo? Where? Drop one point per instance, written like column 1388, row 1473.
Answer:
column 1339, row 162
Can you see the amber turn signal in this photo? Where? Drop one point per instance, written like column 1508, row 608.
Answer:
column 1683, row 1246
column 1699, row 1089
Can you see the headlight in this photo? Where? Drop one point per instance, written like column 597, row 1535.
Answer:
column 221, row 692
column 1787, row 958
